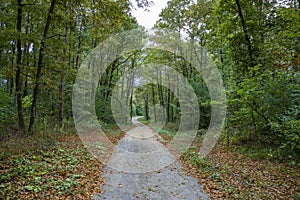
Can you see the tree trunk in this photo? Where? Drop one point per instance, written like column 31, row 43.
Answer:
column 26, row 54
column 25, row 93
column 131, row 107
column 62, row 81
column 131, row 90
column 146, row 105
column 78, row 46
column 11, row 81
column 18, row 69
column 153, row 103
column 160, row 89
column 122, row 94
column 39, row 67
column 246, row 34
column 168, row 100
column 61, row 101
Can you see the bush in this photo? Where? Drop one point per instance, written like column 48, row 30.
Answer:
column 289, row 132
column 7, row 111
column 264, row 108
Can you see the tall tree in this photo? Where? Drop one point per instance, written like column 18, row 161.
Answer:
column 246, row 34
column 40, row 66
column 18, row 68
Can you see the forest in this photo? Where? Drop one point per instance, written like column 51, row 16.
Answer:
column 255, row 46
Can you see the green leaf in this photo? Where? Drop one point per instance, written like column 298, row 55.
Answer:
column 28, row 187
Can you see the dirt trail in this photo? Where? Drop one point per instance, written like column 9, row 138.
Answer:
column 142, row 168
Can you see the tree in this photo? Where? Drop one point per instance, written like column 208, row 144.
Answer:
column 41, row 76
column 39, row 66
column 256, row 46
column 18, row 68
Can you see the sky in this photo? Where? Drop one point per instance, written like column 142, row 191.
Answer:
column 148, row 18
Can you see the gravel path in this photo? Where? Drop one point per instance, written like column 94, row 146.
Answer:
column 142, row 168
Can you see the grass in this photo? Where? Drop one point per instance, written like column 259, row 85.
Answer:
column 144, row 121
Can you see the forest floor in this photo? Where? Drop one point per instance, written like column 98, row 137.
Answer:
column 227, row 173
column 63, row 169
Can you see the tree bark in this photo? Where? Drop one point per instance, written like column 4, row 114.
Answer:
column 18, row 70
column 40, row 66
column 131, row 106
column 26, row 54
column 78, row 46
column 246, row 34
column 153, row 102
column 146, row 105
column 61, row 101
column 61, row 87
column 168, row 100
column 10, row 85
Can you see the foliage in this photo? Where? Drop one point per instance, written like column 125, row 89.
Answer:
column 255, row 44
column 73, row 30
column 144, row 121
column 227, row 175
column 6, row 106
column 65, row 170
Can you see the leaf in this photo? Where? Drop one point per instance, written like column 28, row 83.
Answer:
column 28, row 187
